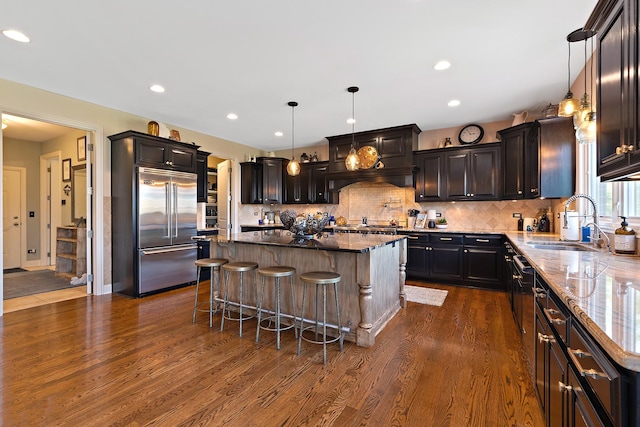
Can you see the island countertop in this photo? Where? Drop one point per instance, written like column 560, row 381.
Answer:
column 600, row 289
column 342, row 242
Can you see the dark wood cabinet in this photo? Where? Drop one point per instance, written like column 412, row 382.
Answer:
column 272, row 179
column 539, row 159
column 395, row 146
column 430, row 176
column 418, row 255
column 251, row 183
column 203, row 176
column 445, row 257
column 161, row 153
column 309, row 186
column 483, row 261
column 473, row 173
column 617, row 88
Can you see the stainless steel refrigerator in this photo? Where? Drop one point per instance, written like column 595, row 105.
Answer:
column 166, row 209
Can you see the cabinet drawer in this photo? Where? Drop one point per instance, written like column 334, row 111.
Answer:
column 557, row 317
column 483, row 240
column 416, row 238
column 595, row 370
column 450, row 239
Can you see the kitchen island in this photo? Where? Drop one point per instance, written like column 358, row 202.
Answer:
column 372, row 267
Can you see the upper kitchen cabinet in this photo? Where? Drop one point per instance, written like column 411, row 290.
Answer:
column 161, row 153
column 395, row 146
column 618, row 130
column 202, row 171
column 539, row 159
column 309, row 186
column 430, row 176
column 262, row 181
column 473, row 173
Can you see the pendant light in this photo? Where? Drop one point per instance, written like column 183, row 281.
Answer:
column 586, row 133
column 569, row 105
column 585, row 105
column 293, row 168
column 352, row 162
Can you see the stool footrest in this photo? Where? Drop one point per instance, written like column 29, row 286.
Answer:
column 272, row 319
column 313, row 327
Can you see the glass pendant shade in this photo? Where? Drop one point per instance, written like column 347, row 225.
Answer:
column 586, row 133
column 293, row 168
column 583, row 111
column 352, row 162
column 568, row 106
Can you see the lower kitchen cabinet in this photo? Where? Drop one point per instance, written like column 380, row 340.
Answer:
column 576, row 383
column 483, row 261
column 474, row 260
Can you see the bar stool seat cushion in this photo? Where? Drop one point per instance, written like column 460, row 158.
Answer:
column 277, row 271
column 211, row 262
column 320, row 277
column 240, row 266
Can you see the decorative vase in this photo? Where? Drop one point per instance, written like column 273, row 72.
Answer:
column 153, row 128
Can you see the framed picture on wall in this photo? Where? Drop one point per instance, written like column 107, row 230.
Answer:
column 82, row 148
column 66, row 170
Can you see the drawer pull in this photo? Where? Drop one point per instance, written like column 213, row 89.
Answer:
column 482, row 240
column 545, row 338
column 575, row 355
column 445, row 239
column 540, row 293
column 549, row 312
column 412, row 237
column 563, row 387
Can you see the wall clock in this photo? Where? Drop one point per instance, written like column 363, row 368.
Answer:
column 471, row 134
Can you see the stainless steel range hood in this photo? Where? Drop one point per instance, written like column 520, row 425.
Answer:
column 399, row 176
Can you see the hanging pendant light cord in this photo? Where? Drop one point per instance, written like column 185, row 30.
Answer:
column 353, row 117
column 293, row 127
column 569, row 68
column 590, row 74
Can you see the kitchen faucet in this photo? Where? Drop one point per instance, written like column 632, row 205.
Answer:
column 596, row 227
column 575, row 197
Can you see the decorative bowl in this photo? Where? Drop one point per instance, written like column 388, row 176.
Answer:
column 304, row 225
column 441, row 225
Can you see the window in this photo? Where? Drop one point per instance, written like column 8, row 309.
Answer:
column 613, row 198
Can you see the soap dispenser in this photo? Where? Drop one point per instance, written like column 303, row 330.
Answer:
column 625, row 238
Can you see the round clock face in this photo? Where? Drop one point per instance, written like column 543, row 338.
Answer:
column 471, row 134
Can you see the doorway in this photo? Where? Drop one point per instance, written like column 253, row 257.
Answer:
column 49, row 154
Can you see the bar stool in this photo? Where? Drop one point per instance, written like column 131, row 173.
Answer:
column 276, row 272
column 214, row 267
column 237, row 267
column 320, row 279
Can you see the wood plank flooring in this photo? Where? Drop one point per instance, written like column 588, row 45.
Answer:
column 114, row 361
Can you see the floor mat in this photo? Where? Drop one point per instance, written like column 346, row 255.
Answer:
column 33, row 282
column 425, row 295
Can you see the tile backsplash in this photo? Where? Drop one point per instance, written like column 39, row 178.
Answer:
column 381, row 202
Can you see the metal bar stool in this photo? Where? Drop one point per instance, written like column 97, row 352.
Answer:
column 320, row 279
column 237, row 267
column 214, row 266
column 276, row 272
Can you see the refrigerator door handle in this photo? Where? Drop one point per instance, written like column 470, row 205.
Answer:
column 169, row 249
column 175, row 210
column 167, row 219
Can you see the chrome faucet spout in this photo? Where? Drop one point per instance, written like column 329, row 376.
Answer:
column 600, row 234
column 575, row 197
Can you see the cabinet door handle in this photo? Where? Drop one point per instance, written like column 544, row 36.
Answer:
column 577, row 353
column 534, row 190
column 465, row 251
column 519, row 191
column 549, row 312
column 563, row 387
column 482, row 240
column 545, row 338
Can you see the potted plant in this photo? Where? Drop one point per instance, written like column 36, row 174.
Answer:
column 441, row 223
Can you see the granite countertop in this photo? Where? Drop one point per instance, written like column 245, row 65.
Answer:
column 449, row 230
column 602, row 291
column 265, row 226
column 343, row 242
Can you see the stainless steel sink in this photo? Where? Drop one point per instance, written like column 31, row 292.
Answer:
column 561, row 246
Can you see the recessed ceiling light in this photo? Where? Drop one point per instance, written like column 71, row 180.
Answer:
column 453, row 103
column 442, row 65
column 278, row 133
column 232, row 116
column 16, row 35
column 156, row 88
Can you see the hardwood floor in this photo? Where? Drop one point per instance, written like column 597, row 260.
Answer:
column 111, row 360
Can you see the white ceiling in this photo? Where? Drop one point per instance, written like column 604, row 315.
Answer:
column 252, row 57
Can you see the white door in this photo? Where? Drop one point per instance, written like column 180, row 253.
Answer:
column 12, row 217
column 224, row 197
